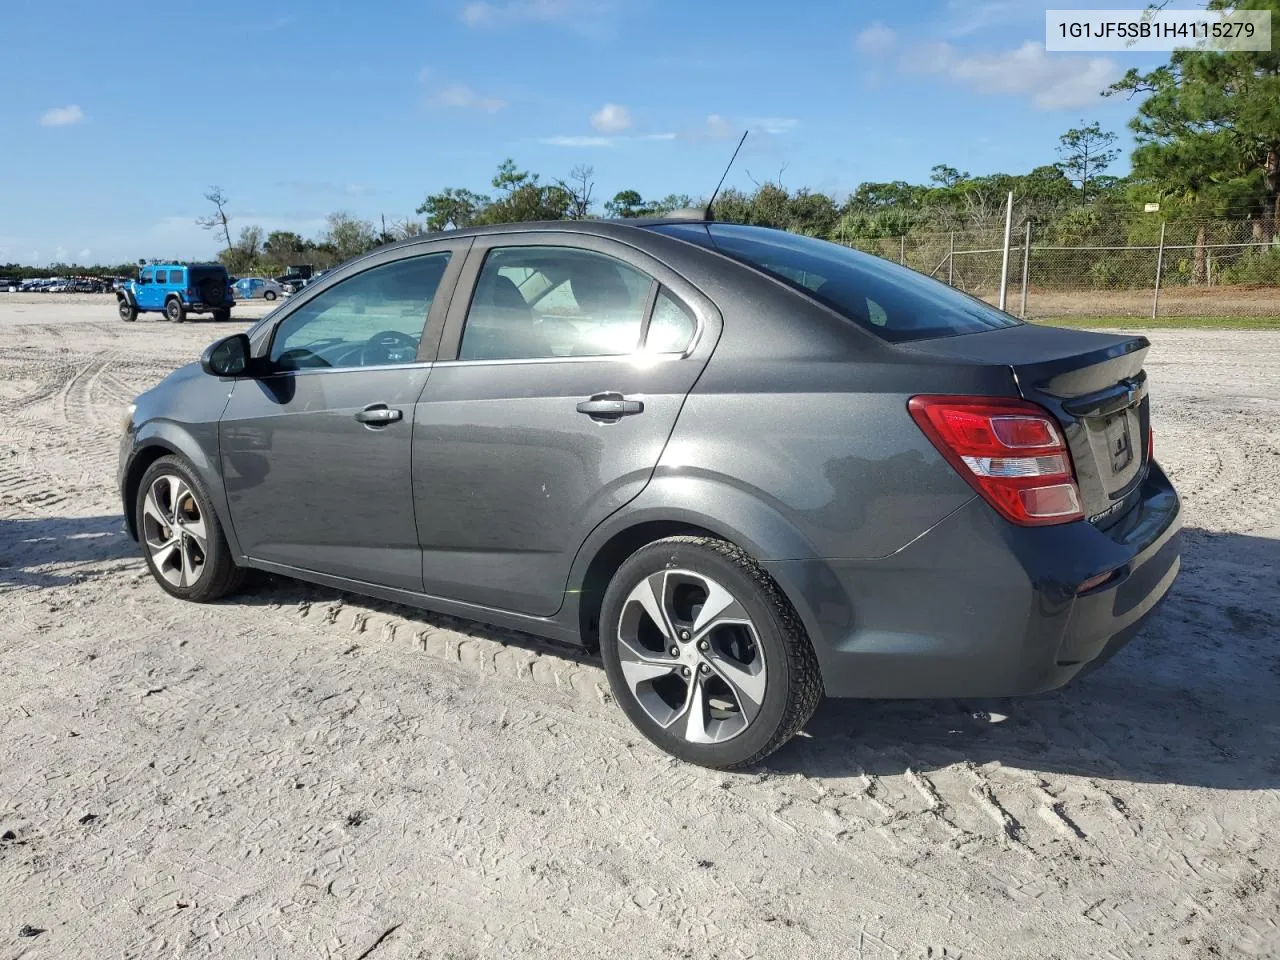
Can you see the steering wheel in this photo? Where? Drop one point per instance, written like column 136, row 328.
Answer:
column 388, row 346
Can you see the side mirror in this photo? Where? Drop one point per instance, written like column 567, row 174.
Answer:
column 228, row 357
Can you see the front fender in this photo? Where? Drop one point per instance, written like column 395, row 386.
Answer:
column 127, row 295
column 155, row 436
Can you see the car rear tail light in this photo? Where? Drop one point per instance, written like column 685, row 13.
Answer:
column 1010, row 451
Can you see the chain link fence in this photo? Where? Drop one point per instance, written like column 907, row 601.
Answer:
column 1142, row 268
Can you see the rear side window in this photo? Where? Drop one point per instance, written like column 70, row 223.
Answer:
column 893, row 302
column 671, row 327
column 544, row 302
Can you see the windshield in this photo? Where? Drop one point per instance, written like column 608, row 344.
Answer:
column 893, row 302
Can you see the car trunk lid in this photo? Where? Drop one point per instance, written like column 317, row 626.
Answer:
column 1095, row 387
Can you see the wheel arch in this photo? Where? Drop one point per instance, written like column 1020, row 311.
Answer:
column 160, row 439
column 676, row 506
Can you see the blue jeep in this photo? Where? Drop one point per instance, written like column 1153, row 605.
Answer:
column 177, row 289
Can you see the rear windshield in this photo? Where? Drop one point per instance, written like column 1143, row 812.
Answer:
column 893, row 302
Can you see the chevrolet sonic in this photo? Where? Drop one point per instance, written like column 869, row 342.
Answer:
column 750, row 468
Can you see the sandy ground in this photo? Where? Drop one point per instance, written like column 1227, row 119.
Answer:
column 300, row 773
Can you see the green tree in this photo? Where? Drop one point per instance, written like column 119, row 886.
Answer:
column 452, row 208
column 1208, row 129
column 285, row 248
column 625, row 205
column 348, row 235
column 1085, row 152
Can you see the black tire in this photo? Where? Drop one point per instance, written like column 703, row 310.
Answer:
column 269, row 295
column 793, row 682
column 219, row 575
column 174, row 310
column 128, row 310
column 222, row 316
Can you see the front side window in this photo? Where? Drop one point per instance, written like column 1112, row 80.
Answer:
column 539, row 302
column 893, row 302
column 145, row 276
column 371, row 319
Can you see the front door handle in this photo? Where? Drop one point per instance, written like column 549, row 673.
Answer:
column 610, row 407
column 378, row 415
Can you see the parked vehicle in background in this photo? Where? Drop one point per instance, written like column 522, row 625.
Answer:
column 295, row 284
column 177, row 290
column 9, row 284
column 253, row 288
column 751, row 467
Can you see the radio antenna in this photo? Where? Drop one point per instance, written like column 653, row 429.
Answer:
column 711, row 202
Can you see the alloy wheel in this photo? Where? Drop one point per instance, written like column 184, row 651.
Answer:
column 691, row 656
column 174, row 531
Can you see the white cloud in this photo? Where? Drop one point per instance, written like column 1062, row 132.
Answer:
column 462, row 97
column 83, row 255
column 570, row 141
column 61, row 116
column 586, row 16
column 611, row 118
column 657, row 136
column 875, row 39
column 774, row 126
column 327, row 187
column 971, row 16
column 1052, row 81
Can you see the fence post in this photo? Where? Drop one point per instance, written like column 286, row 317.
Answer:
column 1155, row 300
column 1026, row 266
column 902, row 250
column 951, row 260
column 1004, row 265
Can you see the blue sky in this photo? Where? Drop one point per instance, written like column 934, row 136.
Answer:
column 116, row 123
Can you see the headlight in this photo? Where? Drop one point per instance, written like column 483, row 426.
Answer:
column 126, row 418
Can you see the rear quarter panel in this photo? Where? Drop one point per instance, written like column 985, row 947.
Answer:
column 805, row 414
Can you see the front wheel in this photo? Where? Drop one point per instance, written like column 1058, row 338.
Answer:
column 705, row 654
column 128, row 311
column 174, row 311
column 180, row 535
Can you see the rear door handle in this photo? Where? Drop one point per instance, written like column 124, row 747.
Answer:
column 378, row 415
column 610, row 406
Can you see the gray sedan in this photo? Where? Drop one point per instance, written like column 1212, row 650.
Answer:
column 749, row 468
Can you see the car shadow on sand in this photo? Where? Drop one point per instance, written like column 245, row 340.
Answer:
column 47, row 552
column 1193, row 700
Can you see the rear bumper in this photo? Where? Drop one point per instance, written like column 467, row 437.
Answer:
column 980, row 607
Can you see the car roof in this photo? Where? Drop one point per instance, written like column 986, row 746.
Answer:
column 619, row 229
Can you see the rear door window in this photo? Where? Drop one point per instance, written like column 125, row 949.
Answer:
column 891, row 301
column 162, row 276
column 542, row 302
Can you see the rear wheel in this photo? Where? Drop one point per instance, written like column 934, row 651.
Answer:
column 180, row 534
column 128, row 311
column 174, row 310
column 704, row 653
column 269, row 295
column 222, row 316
